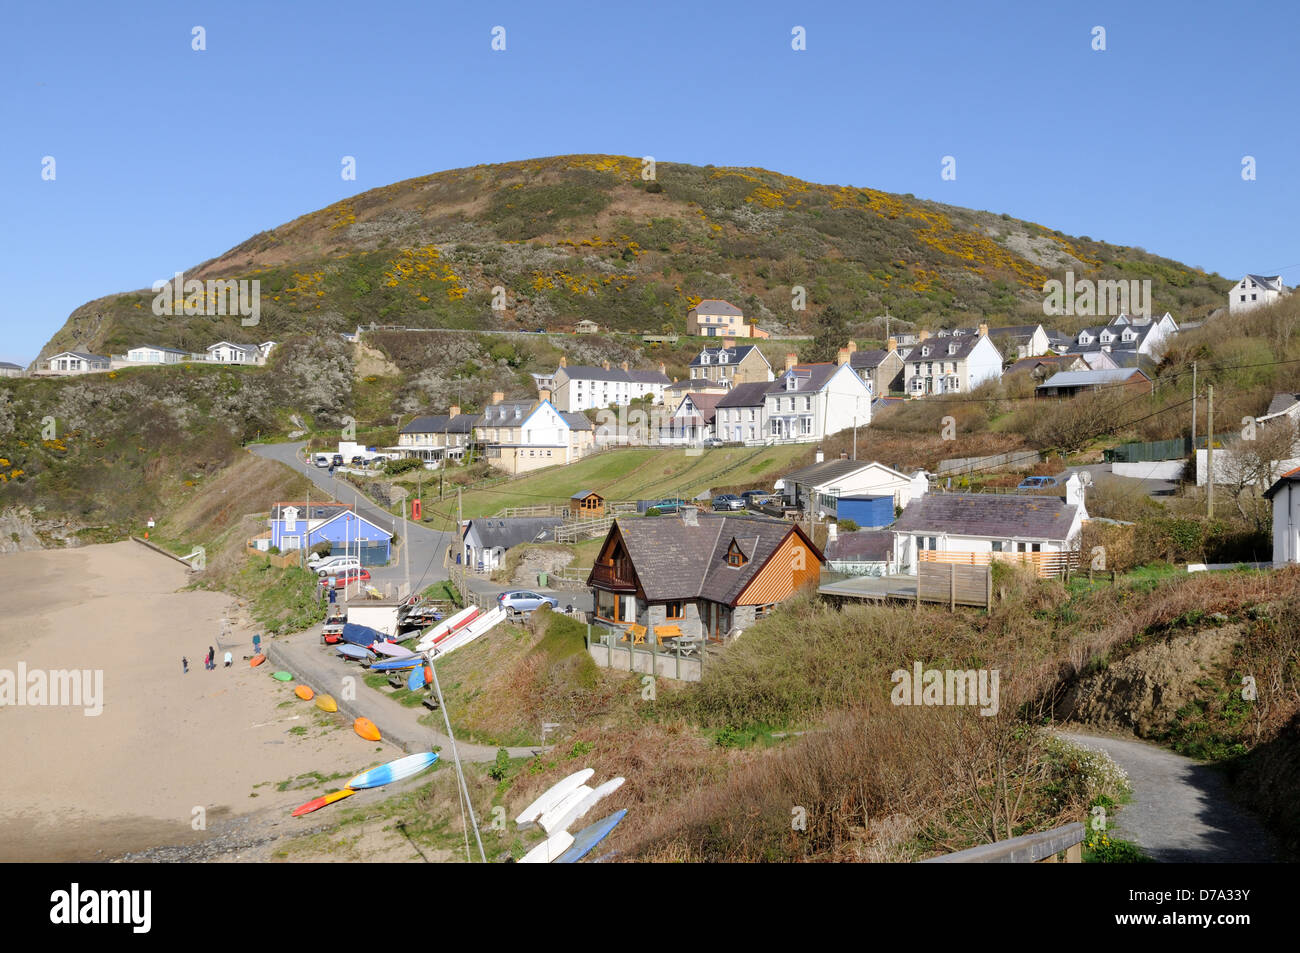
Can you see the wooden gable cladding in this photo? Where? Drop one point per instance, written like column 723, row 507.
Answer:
column 795, row 564
column 735, row 555
column 613, row 567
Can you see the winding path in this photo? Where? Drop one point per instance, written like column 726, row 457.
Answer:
column 1181, row 811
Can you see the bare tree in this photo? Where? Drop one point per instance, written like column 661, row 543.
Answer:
column 1251, row 466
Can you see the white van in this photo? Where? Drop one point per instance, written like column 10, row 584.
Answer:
column 333, row 565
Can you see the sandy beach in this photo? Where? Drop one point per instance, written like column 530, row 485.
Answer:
column 91, row 787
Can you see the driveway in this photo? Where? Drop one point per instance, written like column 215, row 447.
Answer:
column 1181, row 811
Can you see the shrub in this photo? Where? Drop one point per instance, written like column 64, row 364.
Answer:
column 406, row 464
column 847, row 526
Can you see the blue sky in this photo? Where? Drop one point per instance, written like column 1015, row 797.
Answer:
column 166, row 156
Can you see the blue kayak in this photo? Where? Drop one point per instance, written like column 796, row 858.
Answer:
column 353, row 652
column 416, row 681
column 397, row 664
column 585, row 841
column 393, row 771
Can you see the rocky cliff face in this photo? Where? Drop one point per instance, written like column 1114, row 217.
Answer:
column 21, row 531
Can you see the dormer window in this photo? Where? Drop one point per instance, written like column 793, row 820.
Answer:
column 735, row 556
column 925, row 350
column 722, row 358
column 952, row 348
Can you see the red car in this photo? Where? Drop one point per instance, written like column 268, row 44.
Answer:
column 346, row 578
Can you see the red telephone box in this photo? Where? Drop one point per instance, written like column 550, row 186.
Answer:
column 415, row 508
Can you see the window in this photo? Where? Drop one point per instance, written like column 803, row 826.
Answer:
column 735, row 556
column 807, row 403
column 673, row 610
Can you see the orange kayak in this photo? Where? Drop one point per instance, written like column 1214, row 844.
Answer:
column 305, row 693
column 256, row 660
column 366, row 729
column 318, row 803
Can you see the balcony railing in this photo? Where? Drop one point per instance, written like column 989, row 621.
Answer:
column 609, row 577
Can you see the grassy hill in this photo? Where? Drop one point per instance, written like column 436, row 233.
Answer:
column 573, row 237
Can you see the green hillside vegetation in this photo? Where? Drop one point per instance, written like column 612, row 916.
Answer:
column 574, row 237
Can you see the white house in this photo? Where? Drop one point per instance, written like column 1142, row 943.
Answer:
column 825, row 483
column 978, row 528
column 75, row 362
column 741, row 415
column 1132, row 335
column 152, row 354
column 1285, row 496
column 520, row 435
column 227, row 352
column 952, row 365
column 808, row 402
column 485, row 542
column 581, row 387
column 1255, row 291
column 1018, row 340
column 692, row 421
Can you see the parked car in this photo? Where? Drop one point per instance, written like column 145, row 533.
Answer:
column 345, row 577
column 329, row 565
column 728, row 501
column 321, row 460
column 751, row 497
column 523, row 600
column 337, row 460
column 1037, row 483
column 668, row 506
column 713, row 442
column 358, row 461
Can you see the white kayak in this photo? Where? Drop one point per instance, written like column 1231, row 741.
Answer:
column 553, row 796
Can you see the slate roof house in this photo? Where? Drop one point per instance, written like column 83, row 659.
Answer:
column 485, row 542
column 952, row 365
column 1016, row 341
column 8, row 369
column 977, row 528
column 1285, row 497
column 581, row 387
column 807, row 402
column 437, row 437
column 880, row 370
column 825, row 482
column 522, row 435
column 741, row 416
column 692, row 421
column 864, row 552
column 704, row 574
column 1254, row 291
column 730, row 365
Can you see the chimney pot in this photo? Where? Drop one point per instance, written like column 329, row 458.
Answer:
column 624, row 366
column 663, row 368
column 605, row 364
column 984, row 330
column 842, row 356
column 455, row 410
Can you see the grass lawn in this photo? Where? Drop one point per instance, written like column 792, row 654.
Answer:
column 632, row 475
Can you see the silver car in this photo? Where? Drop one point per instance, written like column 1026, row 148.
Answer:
column 519, row 601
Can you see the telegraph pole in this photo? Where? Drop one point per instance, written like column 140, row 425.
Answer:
column 1209, row 451
column 1193, row 408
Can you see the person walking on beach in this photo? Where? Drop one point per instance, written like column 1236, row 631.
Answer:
column 212, row 658
column 185, row 665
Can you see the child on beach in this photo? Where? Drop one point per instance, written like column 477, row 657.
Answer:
column 185, row 665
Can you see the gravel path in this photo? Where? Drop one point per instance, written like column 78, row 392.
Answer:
column 1181, row 811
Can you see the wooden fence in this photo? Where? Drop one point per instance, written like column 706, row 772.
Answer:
column 583, row 529
column 954, row 584
column 1046, row 565
column 1062, row 845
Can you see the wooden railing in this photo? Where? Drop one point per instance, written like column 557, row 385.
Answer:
column 1045, row 564
column 609, row 578
column 575, row 530
column 1040, row 848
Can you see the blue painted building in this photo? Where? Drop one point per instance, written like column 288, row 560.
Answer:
column 869, row 512
column 295, row 525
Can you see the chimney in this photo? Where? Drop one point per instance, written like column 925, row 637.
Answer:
column 831, row 532
column 544, row 394
column 564, row 361
column 497, row 397
column 820, row 457
column 605, row 364
column 842, row 356
column 984, row 330
column 728, row 342
column 454, row 411
column 624, row 366
column 924, row 335
column 853, row 347
column 791, row 360
column 891, row 344
column 663, row 368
